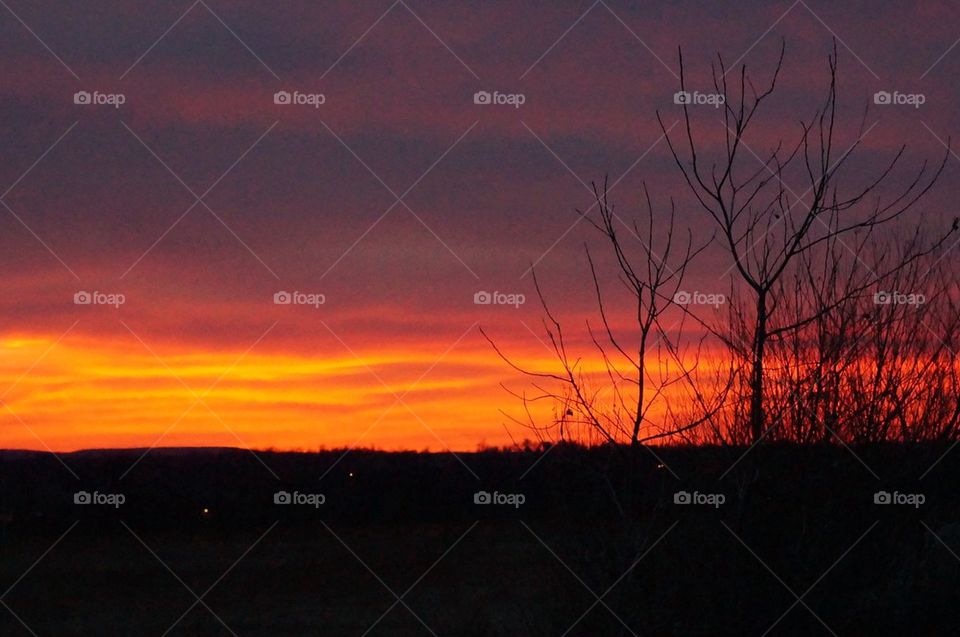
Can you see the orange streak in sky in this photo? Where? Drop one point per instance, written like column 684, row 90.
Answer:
column 87, row 394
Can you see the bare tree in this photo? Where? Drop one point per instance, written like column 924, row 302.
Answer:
column 767, row 228
column 879, row 363
column 640, row 366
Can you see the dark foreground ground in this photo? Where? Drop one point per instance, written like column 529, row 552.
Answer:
column 789, row 541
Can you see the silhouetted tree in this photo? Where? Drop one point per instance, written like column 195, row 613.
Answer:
column 639, row 367
column 754, row 210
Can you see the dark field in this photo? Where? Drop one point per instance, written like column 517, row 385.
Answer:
column 794, row 524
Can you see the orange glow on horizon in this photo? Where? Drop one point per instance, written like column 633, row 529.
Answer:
column 79, row 394
column 83, row 392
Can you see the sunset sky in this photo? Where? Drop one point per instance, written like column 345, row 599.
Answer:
column 398, row 198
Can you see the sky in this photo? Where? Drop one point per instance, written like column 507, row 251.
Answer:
column 179, row 165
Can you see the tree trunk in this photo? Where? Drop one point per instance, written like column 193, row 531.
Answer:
column 756, row 375
column 638, row 420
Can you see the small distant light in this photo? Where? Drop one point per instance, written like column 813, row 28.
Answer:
column 351, row 474
column 661, row 466
column 206, row 510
